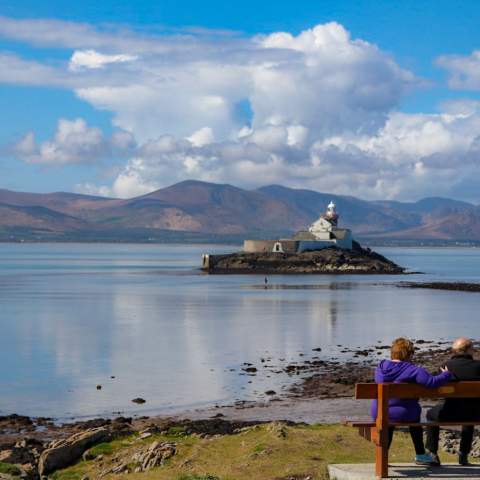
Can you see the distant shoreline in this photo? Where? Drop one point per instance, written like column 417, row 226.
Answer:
column 237, row 242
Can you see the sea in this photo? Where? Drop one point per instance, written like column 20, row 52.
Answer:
column 144, row 321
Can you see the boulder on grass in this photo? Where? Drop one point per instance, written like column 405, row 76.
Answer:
column 64, row 453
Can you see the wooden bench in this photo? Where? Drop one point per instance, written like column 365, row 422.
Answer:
column 377, row 432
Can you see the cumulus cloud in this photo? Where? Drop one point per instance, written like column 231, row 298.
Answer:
column 73, row 142
column 463, row 70
column 321, row 81
column 432, row 154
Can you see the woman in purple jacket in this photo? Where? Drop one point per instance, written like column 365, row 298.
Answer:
column 398, row 370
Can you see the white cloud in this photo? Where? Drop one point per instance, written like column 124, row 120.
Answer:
column 92, row 189
column 62, row 34
column 16, row 71
column 428, row 154
column 463, row 70
column 201, row 137
column 321, row 79
column 73, row 142
column 91, row 59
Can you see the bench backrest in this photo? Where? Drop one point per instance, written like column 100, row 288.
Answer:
column 369, row 391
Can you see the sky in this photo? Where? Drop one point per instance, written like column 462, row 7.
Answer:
column 377, row 99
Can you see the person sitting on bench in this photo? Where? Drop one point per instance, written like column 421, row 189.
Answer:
column 398, row 370
column 463, row 366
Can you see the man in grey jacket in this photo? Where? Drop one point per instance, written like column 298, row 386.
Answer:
column 464, row 367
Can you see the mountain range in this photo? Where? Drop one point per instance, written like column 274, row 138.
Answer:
column 200, row 211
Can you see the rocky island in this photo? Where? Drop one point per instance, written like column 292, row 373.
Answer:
column 326, row 260
column 323, row 248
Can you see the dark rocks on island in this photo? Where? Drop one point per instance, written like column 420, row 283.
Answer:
column 323, row 248
column 327, row 260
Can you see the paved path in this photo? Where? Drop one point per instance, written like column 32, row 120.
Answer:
column 366, row 471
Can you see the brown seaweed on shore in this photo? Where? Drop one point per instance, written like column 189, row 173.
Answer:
column 455, row 286
column 335, row 379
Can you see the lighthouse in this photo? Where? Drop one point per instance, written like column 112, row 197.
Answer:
column 331, row 214
column 323, row 233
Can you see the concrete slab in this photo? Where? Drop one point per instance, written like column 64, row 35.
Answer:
column 366, row 471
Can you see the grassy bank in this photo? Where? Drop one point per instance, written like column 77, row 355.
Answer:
column 263, row 452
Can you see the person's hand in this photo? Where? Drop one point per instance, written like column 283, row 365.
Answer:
column 444, row 369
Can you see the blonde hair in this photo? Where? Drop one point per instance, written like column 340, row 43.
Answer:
column 402, row 349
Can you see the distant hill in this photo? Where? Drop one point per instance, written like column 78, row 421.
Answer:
column 200, row 211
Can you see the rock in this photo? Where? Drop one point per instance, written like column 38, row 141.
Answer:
column 139, row 400
column 122, row 468
column 22, row 453
column 270, row 392
column 279, row 429
column 327, row 260
column 88, row 455
column 99, row 387
column 144, row 435
column 16, row 423
column 154, row 455
column 121, row 426
column 66, row 452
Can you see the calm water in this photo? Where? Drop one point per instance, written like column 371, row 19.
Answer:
column 72, row 316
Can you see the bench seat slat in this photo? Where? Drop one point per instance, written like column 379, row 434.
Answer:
column 369, row 391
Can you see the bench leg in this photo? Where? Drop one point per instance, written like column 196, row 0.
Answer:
column 381, row 450
column 381, row 455
column 366, row 433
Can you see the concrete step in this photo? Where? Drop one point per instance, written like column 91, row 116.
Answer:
column 366, row 471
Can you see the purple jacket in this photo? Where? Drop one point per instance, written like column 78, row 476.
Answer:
column 403, row 409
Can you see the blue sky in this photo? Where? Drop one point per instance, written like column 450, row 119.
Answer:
column 350, row 151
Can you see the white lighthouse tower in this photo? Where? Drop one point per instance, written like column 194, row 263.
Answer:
column 322, row 229
column 323, row 233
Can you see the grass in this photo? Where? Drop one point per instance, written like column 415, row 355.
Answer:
column 101, row 449
column 9, row 469
column 176, row 432
column 197, row 477
column 259, row 453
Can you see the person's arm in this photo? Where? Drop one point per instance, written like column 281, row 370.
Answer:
column 377, row 377
column 424, row 378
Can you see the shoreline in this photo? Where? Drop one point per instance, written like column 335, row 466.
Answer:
column 322, row 392
column 321, row 396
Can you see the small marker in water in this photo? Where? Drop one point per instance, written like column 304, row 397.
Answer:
column 266, row 282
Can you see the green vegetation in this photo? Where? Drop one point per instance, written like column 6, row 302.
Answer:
column 9, row 469
column 262, row 452
column 198, row 477
column 101, row 449
column 176, row 432
column 67, row 475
